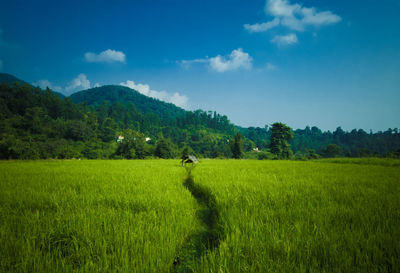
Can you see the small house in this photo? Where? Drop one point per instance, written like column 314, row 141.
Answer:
column 189, row 159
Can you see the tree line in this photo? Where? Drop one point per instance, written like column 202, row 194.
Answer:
column 38, row 124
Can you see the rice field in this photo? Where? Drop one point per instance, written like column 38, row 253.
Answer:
column 304, row 216
column 225, row 216
column 93, row 216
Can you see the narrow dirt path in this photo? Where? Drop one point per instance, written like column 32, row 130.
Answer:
column 210, row 234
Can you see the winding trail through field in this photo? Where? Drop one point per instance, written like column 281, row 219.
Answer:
column 210, row 234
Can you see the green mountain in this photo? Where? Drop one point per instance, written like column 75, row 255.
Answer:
column 124, row 95
column 10, row 79
column 39, row 124
column 118, row 122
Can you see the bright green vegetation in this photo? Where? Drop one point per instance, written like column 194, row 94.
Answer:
column 363, row 161
column 230, row 216
column 285, row 216
column 93, row 216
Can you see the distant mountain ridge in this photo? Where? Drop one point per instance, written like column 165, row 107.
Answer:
column 52, row 122
column 114, row 94
column 125, row 95
column 10, row 79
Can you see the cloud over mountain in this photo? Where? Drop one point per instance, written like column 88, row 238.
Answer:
column 46, row 83
column 175, row 98
column 81, row 82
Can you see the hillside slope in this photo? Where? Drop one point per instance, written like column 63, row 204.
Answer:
column 124, row 95
column 38, row 124
column 10, row 79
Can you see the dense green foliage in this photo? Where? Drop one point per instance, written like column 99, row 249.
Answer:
column 164, row 149
column 356, row 143
column 281, row 134
column 43, row 124
column 332, row 150
column 338, row 215
column 39, row 124
column 237, row 146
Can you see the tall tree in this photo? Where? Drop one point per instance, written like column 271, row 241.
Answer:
column 164, row 149
column 237, row 146
column 132, row 146
column 280, row 137
column 332, row 150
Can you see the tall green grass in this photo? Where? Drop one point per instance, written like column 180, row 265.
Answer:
column 229, row 216
column 93, row 216
column 390, row 162
column 303, row 216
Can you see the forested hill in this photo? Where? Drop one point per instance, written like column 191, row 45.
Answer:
column 10, row 79
column 37, row 123
column 124, row 95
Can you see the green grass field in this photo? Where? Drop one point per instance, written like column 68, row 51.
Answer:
column 227, row 216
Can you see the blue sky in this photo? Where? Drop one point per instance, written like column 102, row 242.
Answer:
column 320, row 63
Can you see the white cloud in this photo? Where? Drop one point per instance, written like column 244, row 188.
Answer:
column 237, row 59
column 281, row 8
column 176, row 98
column 293, row 16
column 97, row 84
column 262, row 27
column 179, row 100
column 285, row 40
column 107, row 56
column 45, row 83
column 312, row 17
column 297, row 17
column 79, row 83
